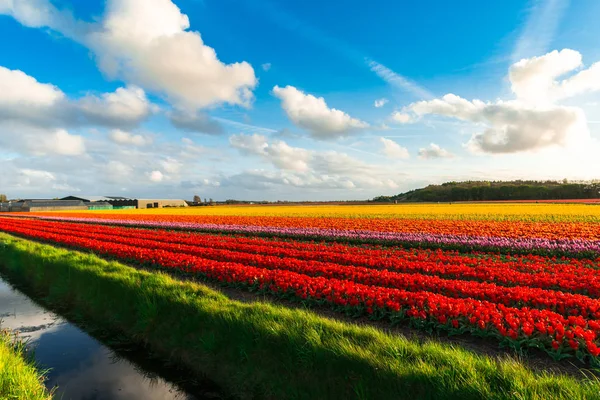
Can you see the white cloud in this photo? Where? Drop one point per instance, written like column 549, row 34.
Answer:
column 313, row 114
column 61, row 142
column 514, row 128
column 42, row 13
column 124, row 107
column 309, row 168
column 118, row 171
column 249, row 144
column 155, row 176
column 380, row 102
column 533, row 120
column 39, row 141
column 23, row 98
column 122, row 137
column 32, row 177
column 18, row 88
column 147, row 43
column 393, row 150
column 171, row 165
column 534, row 80
column 434, row 151
column 266, row 66
column 278, row 152
column 401, row 117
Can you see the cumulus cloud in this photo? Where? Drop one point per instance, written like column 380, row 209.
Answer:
column 122, row 137
column 61, row 142
column 434, row 151
column 155, row 176
column 400, row 117
column 380, row 102
column 393, row 150
column 16, row 87
column 535, row 80
column 118, row 171
column 148, row 43
column 531, row 121
column 313, row 114
column 511, row 126
column 124, row 107
column 38, row 141
column 31, row 176
column 171, row 165
column 24, row 99
column 514, row 128
column 278, row 152
column 42, row 13
column 195, row 122
column 309, row 168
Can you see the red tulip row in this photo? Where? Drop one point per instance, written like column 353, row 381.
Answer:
column 553, row 331
column 482, row 281
column 350, row 255
column 371, row 254
column 564, row 303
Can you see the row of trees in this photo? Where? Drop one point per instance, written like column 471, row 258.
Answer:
column 500, row 190
column 198, row 200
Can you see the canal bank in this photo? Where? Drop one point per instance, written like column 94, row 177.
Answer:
column 80, row 366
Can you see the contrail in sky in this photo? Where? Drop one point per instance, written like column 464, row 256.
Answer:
column 540, row 28
column 291, row 23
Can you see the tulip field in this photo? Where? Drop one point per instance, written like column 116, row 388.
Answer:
column 526, row 277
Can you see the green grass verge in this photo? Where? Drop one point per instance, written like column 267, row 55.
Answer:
column 19, row 378
column 261, row 350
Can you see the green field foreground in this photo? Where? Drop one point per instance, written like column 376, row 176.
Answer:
column 19, row 378
column 260, row 350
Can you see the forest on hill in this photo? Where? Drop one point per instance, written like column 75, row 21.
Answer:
column 498, row 191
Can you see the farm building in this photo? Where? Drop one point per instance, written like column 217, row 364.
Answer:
column 124, row 202
column 32, row 205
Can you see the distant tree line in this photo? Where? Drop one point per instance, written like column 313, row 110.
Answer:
column 498, row 190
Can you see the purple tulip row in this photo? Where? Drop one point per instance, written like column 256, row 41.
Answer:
column 537, row 245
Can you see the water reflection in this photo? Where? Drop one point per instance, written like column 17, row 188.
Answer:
column 82, row 367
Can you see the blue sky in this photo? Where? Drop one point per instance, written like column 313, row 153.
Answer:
column 293, row 100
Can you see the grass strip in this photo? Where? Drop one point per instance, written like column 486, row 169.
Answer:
column 262, row 350
column 19, row 377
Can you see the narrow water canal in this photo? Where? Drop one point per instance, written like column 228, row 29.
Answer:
column 81, row 366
